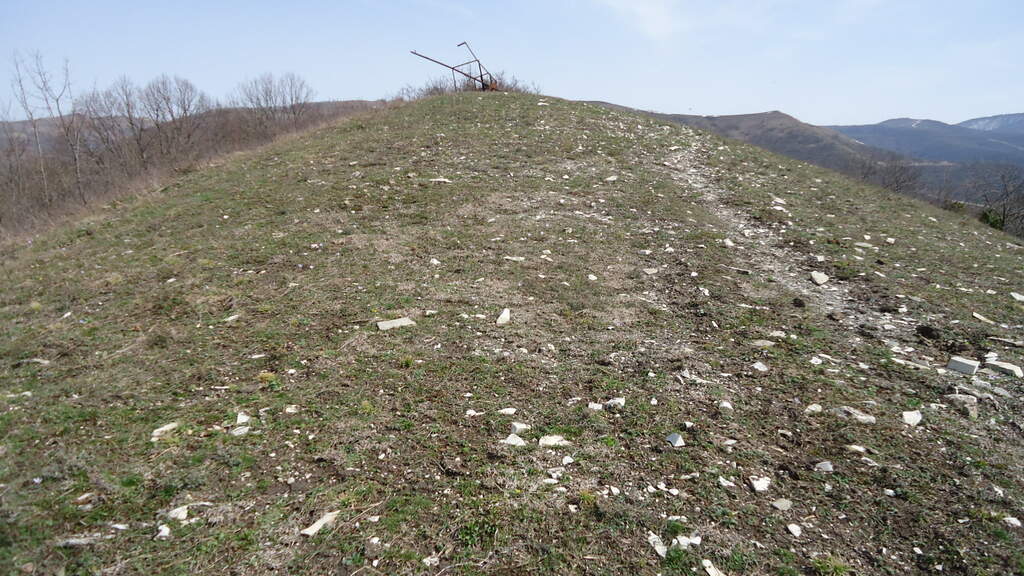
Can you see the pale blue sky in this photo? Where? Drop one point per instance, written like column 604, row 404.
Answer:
column 825, row 62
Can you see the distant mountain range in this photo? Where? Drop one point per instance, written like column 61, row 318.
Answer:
column 1001, row 123
column 944, row 153
column 998, row 139
column 784, row 134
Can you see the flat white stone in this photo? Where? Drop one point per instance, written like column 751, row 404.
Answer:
column 709, row 567
column 782, row 504
column 659, row 546
column 1017, row 297
column 824, row 467
column 396, row 323
column 1005, row 368
column 553, row 440
column 595, row 406
column 504, row 318
column 242, row 418
column 794, row 529
column 963, row 365
column 507, row 411
column 325, row 520
column 760, row 484
column 685, row 542
column 162, row 431
column 519, row 427
column 725, row 483
column 819, row 278
column 650, row 271
column 760, row 367
column 616, row 402
column 912, row 417
column 813, row 409
column 675, row 440
column 513, row 440
column 239, row 430
column 1012, row 522
column 850, row 412
column 180, row 513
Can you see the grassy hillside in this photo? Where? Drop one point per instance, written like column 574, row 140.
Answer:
column 638, row 260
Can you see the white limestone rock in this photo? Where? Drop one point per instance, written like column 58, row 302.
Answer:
column 385, row 325
column 963, row 365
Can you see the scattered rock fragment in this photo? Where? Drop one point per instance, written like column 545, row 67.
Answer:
column 513, row 440
column 794, row 529
column 813, row 409
column 163, row 532
column 1012, row 522
column 782, row 504
column 396, row 323
column 656, row 542
column 760, row 366
column 819, row 278
column 675, row 440
column 760, row 484
column 913, row 417
column 1005, row 368
column 180, row 513
column 507, row 411
column 553, row 440
column 504, row 317
column 618, row 402
column 81, row 541
column 519, row 428
column 850, row 412
column 825, row 467
column 710, row 569
column 967, row 404
column 239, row 431
column 325, row 521
column 650, row 271
column 963, row 365
column 684, row 542
column 163, row 431
column 981, row 318
column 1017, row 297
column 762, row 344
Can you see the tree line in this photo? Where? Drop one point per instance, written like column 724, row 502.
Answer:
column 71, row 149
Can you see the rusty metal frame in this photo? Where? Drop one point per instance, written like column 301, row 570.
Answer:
column 483, row 79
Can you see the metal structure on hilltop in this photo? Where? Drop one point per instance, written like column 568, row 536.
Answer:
column 482, row 80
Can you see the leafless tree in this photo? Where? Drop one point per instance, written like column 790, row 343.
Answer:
column 25, row 100
column 57, row 100
column 176, row 109
column 1001, row 190
column 296, row 96
column 894, row 173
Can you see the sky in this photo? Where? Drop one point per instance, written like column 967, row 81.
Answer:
column 822, row 61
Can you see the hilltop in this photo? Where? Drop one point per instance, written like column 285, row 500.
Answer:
column 190, row 380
